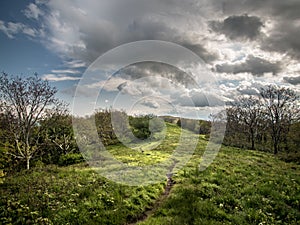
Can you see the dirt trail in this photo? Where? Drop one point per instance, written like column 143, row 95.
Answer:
column 159, row 201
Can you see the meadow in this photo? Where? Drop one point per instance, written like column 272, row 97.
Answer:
column 239, row 187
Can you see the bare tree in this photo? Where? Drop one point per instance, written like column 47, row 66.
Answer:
column 282, row 108
column 25, row 101
column 233, row 126
column 249, row 112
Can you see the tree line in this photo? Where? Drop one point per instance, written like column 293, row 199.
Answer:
column 36, row 127
column 267, row 121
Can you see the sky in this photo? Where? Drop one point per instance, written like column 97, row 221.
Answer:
column 242, row 46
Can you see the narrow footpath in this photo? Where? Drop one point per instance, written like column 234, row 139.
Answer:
column 148, row 212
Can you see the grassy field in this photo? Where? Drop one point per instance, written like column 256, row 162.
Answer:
column 240, row 187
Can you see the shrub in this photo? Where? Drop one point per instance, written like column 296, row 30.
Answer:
column 290, row 157
column 69, row 159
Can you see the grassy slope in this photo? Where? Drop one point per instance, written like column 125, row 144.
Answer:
column 240, row 187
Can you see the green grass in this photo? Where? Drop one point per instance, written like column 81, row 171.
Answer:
column 240, row 187
column 74, row 195
column 144, row 154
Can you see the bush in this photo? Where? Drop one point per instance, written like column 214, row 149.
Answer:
column 290, row 157
column 69, row 159
column 140, row 126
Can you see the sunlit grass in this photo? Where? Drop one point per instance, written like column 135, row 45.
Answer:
column 239, row 187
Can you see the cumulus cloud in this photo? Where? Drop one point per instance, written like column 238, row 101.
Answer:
column 84, row 31
column 198, row 98
column 137, row 88
column 249, row 88
column 285, row 39
column 241, row 38
column 150, row 103
column 292, row 80
column 254, row 65
column 150, row 69
column 200, row 50
column 112, row 84
column 33, row 11
column 81, row 91
column 239, row 27
column 284, row 17
column 288, row 9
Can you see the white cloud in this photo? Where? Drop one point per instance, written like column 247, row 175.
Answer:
column 59, row 77
column 33, row 11
column 75, row 64
column 70, row 71
column 111, row 84
column 30, row 32
column 84, row 30
column 11, row 29
column 151, row 103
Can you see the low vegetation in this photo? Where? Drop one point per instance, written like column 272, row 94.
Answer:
column 240, row 187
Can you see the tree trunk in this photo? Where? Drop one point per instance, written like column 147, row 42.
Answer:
column 252, row 140
column 27, row 163
column 252, row 144
column 275, row 150
column 275, row 147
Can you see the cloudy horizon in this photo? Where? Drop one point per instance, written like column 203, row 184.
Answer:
column 245, row 45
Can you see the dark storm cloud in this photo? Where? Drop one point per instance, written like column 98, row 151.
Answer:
column 145, row 29
column 146, row 69
column 198, row 49
column 239, row 27
column 86, row 31
column 198, row 99
column 288, row 9
column 292, row 80
column 122, row 86
column 254, row 65
column 283, row 37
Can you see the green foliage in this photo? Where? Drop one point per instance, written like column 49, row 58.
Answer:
column 71, row 195
column 205, row 127
column 292, row 141
column 196, row 126
column 239, row 187
column 25, row 101
column 144, row 127
column 291, row 156
column 70, row 159
column 140, row 126
column 57, row 138
column 105, row 128
column 2, row 174
column 16, row 212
